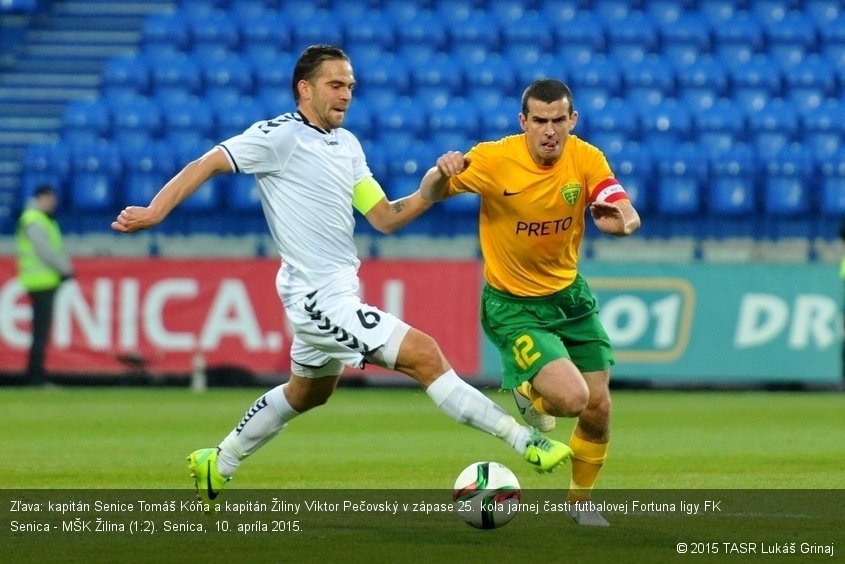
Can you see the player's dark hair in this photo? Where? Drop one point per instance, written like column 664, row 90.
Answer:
column 547, row 90
column 309, row 63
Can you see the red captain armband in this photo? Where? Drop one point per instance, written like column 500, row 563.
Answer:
column 608, row 191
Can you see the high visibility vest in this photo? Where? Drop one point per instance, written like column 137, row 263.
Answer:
column 33, row 273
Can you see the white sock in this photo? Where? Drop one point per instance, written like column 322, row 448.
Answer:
column 465, row 404
column 261, row 422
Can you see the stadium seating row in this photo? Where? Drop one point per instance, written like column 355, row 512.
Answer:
column 724, row 114
column 678, row 180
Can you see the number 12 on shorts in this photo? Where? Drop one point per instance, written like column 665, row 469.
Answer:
column 524, row 353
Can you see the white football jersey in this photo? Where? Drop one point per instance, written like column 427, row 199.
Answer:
column 305, row 178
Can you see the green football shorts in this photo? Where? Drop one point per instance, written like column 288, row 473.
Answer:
column 531, row 332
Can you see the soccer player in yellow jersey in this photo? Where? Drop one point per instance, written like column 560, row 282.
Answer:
column 535, row 189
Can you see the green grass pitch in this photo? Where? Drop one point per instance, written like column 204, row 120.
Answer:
column 775, row 459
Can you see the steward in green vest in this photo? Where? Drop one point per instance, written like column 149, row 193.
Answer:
column 42, row 267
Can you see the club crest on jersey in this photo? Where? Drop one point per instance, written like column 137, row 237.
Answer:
column 571, row 192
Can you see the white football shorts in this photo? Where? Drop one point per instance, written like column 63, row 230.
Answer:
column 332, row 327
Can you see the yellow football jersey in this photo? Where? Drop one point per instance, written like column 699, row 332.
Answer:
column 532, row 217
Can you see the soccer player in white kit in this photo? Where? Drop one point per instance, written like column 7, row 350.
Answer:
column 311, row 173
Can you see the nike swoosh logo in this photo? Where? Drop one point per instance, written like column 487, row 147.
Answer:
column 211, row 493
column 534, row 459
column 506, row 193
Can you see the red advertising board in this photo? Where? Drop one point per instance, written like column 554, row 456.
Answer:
column 165, row 311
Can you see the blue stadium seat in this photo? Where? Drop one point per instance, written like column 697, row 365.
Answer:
column 705, row 73
column 403, row 11
column 45, row 163
column 615, row 11
column 125, row 76
column 771, row 10
column 616, row 117
column 436, row 71
column 165, row 33
column 731, row 190
column 823, row 11
column 832, row 177
column 147, row 169
column 670, row 120
column 738, row 38
column 637, row 30
column 790, row 38
column 678, row 198
column 506, row 10
column 500, row 121
column 497, row 73
column 832, row 33
column 320, row 27
column 547, row 66
column 176, row 75
column 680, row 175
column 86, row 121
column 718, row 11
column 188, row 122
column 560, row 11
column 94, row 178
column 232, row 75
column 405, row 116
column 602, row 72
column 485, row 99
column 822, row 129
column 276, row 101
column 269, row 31
column 720, row 126
column 214, row 35
column 634, row 168
column 648, row 82
column 755, row 81
column 664, row 12
column 136, row 122
column 480, row 29
column 773, row 127
column 371, row 28
column 813, row 73
column 529, row 29
column 410, row 161
column 582, row 28
column 392, row 73
column 688, row 33
column 423, row 29
column 589, row 99
column 787, row 188
column 270, row 69
column 442, row 141
column 458, row 115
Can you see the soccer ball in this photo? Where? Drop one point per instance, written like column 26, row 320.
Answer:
column 486, row 495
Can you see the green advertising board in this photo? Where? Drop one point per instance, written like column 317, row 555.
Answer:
column 718, row 324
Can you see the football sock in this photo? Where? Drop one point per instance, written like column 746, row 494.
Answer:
column 465, row 404
column 261, row 422
column 587, row 459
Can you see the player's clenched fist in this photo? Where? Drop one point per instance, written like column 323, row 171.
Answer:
column 452, row 163
column 134, row 218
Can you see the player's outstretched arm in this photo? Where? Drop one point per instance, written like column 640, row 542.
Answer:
column 617, row 218
column 435, row 182
column 180, row 187
column 388, row 217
